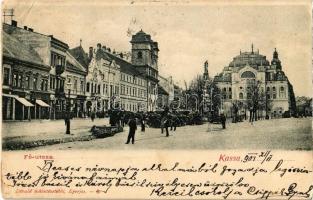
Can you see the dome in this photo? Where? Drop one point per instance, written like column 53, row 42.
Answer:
column 254, row 59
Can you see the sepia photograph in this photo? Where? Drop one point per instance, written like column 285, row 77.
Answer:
column 156, row 99
column 156, row 75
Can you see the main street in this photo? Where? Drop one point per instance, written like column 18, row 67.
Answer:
column 288, row 134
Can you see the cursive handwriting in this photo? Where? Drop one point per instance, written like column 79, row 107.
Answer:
column 213, row 180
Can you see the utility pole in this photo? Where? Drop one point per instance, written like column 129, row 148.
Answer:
column 8, row 13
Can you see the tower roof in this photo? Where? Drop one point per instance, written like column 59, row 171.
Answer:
column 141, row 37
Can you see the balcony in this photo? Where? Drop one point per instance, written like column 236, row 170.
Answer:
column 59, row 69
column 60, row 92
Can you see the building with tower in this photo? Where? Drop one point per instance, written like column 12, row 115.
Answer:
column 145, row 60
column 250, row 81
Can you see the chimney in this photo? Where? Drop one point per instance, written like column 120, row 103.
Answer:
column 121, row 55
column 25, row 27
column 98, row 46
column 31, row 30
column 90, row 52
column 104, row 48
column 14, row 23
column 109, row 50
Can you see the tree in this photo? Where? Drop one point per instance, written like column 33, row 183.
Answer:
column 257, row 99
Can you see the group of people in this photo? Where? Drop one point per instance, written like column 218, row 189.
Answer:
column 168, row 121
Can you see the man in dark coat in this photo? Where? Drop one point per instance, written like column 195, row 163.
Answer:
column 142, row 122
column 165, row 125
column 132, row 130
column 223, row 120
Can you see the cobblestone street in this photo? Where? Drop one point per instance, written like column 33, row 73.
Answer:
column 289, row 134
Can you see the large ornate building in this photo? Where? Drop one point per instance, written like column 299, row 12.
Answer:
column 250, row 77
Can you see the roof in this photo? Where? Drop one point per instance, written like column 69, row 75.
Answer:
column 80, row 55
column 222, row 78
column 125, row 66
column 14, row 48
column 75, row 65
column 161, row 90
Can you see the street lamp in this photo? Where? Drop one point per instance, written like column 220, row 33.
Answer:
column 68, row 114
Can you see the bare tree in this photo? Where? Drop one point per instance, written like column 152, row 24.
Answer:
column 257, row 100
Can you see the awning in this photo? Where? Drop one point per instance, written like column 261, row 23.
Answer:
column 20, row 99
column 24, row 101
column 41, row 103
column 9, row 95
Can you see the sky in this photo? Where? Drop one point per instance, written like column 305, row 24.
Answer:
column 188, row 33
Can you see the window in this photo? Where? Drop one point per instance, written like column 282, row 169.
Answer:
column 82, row 86
column 46, row 85
column 42, row 84
column 35, row 83
column 229, row 89
column 282, row 93
column 51, row 86
column 247, row 74
column 20, row 83
column 75, row 86
column 88, row 87
column 99, row 89
column 248, row 95
column 274, row 95
column 274, row 90
column 15, row 79
column 57, row 59
column 116, row 90
column 229, row 96
column 91, row 87
column 6, row 76
column 27, row 82
column 139, row 55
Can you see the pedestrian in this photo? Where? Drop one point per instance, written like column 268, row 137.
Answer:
column 93, row 115
column 165, row 125
column 142, row 122
column 174, row 121
column 132, row 130
column 223, row 120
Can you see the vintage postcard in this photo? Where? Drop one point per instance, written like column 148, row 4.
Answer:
column 156, row 99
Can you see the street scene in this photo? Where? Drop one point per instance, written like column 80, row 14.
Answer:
column 296, row 135
column 118, row 80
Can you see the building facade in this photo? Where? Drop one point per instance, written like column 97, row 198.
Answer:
column 48, row 90
column 75, row 86
column 24, row 82
column 250, row 81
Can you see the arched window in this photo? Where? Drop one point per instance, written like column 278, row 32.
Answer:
column 282, row 93
column 274, row 89
column 248, row 95
column 247, row 74
column 139, row 55
column 240, row 95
